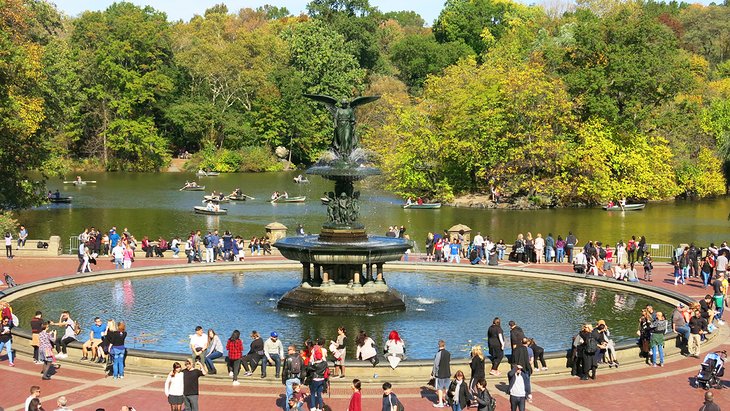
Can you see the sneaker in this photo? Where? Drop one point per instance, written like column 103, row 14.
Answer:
column 236, row 383
column 230, row 373
column 248, row 374
column 84, row 359
column 438, row 405
column 12, row 364
column 721, row 322
column 544, row 368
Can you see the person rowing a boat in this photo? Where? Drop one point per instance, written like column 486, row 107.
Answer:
column 275, row 196
column 610, row 204
column 78, row 179
column 57, row 194
column 622, row 203
column 285, row 195
column 236, row 193
column 409, row 201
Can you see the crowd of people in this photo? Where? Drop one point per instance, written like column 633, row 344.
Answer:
column 197, row 247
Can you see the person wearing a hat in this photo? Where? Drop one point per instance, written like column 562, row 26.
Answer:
column 315, row 373
column 274, row 352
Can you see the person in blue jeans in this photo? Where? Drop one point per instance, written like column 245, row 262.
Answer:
column 317, row 370
column 658, row 329
column 6, row 338
column 117, row 349
column 215, row 350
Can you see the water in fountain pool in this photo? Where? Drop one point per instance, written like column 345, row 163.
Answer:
column 162, row 311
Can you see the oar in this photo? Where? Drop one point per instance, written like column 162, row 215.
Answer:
column 248, row 196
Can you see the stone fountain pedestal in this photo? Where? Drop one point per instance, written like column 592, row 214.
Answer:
column 342, row 276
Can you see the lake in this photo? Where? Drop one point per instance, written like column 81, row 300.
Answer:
column 151, row 204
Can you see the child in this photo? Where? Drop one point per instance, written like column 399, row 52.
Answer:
column 648, row 266
column 296, row 401
column 390, row 400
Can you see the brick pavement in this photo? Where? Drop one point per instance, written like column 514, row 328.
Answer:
column 634, row 387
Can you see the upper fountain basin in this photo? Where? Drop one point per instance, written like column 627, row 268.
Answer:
column 309, row 249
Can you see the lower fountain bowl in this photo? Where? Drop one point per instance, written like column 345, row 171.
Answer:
column 343, row 299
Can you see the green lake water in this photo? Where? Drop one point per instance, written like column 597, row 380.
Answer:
column 150, row 204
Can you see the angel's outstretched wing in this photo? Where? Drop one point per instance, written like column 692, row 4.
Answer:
column 362, row 100
column 329, row 101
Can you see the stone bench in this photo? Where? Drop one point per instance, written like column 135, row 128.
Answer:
column 31, row 248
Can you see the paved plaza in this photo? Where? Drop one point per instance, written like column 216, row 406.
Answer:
column 631, row 387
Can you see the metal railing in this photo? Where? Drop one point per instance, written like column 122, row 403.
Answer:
column 73, row 245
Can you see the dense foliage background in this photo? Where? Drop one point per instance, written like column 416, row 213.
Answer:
column 604, row 99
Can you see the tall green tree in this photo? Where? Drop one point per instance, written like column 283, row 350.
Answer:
column 22, row 144
column 125, row 54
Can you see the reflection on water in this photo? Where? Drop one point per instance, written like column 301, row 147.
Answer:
column 162, row 311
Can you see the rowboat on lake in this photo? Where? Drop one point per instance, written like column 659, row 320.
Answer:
column 288, row 200
column 59, row 200
column 205, row 210
column 80, row 182
column 216, row 199
column 202, row 173
column 192, row 188
column 626, row 207
column 301, row 179
column 430, row 206
column 241, row 197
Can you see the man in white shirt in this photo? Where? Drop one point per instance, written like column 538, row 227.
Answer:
column 118, row 254
column 721, row 262
column 580, row 262
column 198, row 344
column 35, row 392
column 274, row 351
column 62, row 402
column 479, row 244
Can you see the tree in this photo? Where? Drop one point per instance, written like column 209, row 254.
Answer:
column 478, row 23
column 125, row 59
column 623, row 66
column 229, row 60
column 706, row 31
column 417, row 56
column 22, row 145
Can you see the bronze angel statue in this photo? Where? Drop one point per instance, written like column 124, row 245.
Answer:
column 345, row 140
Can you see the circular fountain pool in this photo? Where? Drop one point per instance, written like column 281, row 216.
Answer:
column 162, row 311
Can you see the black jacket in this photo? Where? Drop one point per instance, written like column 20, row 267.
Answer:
column 463, row 397
column 520, row 356
column 482, row 398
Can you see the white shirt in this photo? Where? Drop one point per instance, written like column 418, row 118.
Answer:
column 721, row 263
column 198, row 341
column 273, row 347
column 118, row 251
column 580, row 258
column 518, row 388
column 69, row 332
column 394, row 347
column 175, row 385
column 478, row 240
column 539, row 243
column 27, row 402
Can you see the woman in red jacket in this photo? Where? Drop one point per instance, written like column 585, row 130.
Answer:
column 356, row 399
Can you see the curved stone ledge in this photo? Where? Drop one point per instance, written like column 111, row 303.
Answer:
column 155, row 362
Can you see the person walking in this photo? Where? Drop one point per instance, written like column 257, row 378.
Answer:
column 356, row 399
column 6, row 339
column 390, row 400
column 291, row 372
column 459, row 394
column 709, row 404
column 495, row 340
column 191, row 384
column 316, row 373
column 697, row 327
column 477, row 366
column 441, row 373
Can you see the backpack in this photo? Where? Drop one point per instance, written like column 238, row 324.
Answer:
column 632, row 246
column 591, row 345
column 295, row 365
column 602, row 253
column 645, row 247
column 206, row 241
column 77, row 328
column 399, row 406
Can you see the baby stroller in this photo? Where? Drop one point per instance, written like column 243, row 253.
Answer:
column 712, row 368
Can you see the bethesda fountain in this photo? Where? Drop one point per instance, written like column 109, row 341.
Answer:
column 342, row 266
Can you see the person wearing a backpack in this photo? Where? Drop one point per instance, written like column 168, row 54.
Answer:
column 291, row 372
column 208, row 243
column 587, row 350
column 68, row 336
column 390, row 400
